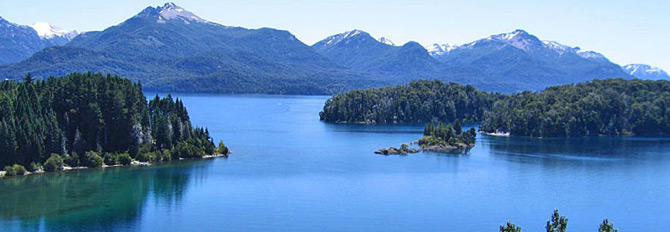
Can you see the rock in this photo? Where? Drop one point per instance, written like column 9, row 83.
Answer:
column 396, row 151
column 449, row 149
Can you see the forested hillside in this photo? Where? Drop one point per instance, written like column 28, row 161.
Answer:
column 81, row 118
column 600, row 107
column 419, row 101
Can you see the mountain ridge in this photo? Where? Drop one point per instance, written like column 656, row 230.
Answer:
column 170, row 48
column 18, row 42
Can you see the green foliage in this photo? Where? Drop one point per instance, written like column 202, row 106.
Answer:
column 557, row 223
column 510, row 227
column 53, row 163
column 9, row 171
column 15, row 170
column 147, row 157
column 33, row 167
column 607, row 226
column 124, row 159
column 600, row 107
column 447, row 135
column 92, row 159
column 419, row 101
column 111, row 159
column 80, row 113
column 222, row 148
column 72, row 160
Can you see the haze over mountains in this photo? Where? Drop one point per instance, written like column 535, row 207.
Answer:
column 168, row 48
column 18, row 42
column 644, row 71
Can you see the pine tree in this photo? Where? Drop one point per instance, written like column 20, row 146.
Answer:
column 510, row 227
column 607, row 226
column 557, row 223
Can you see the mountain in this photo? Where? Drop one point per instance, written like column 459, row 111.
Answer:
column 524, row 61
column 168, row 48
column 359, row 51
column 18, row 42
column 644, row 71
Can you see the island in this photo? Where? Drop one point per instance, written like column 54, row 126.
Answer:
column 87, row 120
column 417, row 102
column 442, row 138
column 610, row 107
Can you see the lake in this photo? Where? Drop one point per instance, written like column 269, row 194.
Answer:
column 291, row 172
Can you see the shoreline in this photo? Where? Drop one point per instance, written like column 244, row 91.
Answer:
column 496, row 134
column 134, row 163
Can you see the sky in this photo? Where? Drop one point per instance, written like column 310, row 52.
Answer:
column 624, row 31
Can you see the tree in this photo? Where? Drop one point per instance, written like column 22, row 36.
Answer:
column 222, row 148
column 28, row 79
column 557, row 223
column 85, row 115
column 510, row 227
column 457, row 127
column 53, row 163
column 607, row 226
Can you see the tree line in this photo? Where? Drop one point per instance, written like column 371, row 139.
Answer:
column 599, row 107
column 86, row 119
column 419, row 101
column 447, row 135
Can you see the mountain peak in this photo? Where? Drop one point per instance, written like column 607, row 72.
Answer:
column 346, row 37
column 170, row 5
column 47, row 31
column 170, row 11
column 440, row 49
column 386, row 41
column 518, row 38
column 645, row 71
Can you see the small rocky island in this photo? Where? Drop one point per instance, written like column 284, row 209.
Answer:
column 442, row 138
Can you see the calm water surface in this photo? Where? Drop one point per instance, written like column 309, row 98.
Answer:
column 290, row 172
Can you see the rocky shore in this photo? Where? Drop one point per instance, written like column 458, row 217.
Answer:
column 133, row 163
column 457, row 148
column 397, row 151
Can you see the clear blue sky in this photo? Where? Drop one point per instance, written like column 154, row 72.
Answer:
column 624, row 31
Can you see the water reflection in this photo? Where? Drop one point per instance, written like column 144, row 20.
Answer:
column 602, row 149
column 91, row 200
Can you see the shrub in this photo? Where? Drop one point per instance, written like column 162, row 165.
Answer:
column 147, row 157
column 72, row 160
column 14, row 170
column 166, row 155
column 222, row 148
column 92, row 159
column 53, row 163
column 19, row 169
column 124, row 159
column 111, row 159
column 33, row 167
column 9, row 171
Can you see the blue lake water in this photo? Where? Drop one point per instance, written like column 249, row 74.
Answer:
column 291, row 172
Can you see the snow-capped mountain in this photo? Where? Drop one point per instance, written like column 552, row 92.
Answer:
column 18, row 42
column 521, row 40
column 47, row 31
column 386, row 41
column 171, row 11
column 440, row 49
column 360, row 51
column 644, row 71
column 168, row 48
